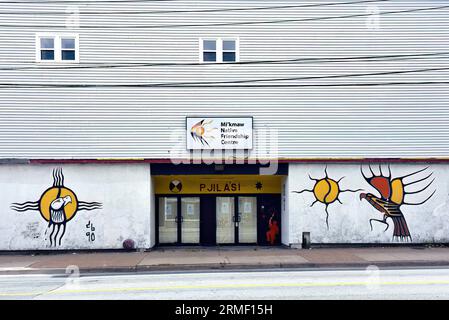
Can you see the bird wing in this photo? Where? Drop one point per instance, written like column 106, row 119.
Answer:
column 381, row 184
column 57, row 216
column 389, row 208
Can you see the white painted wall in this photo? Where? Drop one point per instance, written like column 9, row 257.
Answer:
column 124, row 190
column 349, row 221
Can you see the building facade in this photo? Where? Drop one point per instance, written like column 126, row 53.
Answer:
column 223, row 123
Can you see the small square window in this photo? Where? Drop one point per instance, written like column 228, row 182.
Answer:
column 228, row 56
column 209, row 56
column 68, row 43
column 209, row 45
column 57, row 47
column 47, row 55
column 47, row 43
column 229, row 45
column 219, row 50
column 68, row 55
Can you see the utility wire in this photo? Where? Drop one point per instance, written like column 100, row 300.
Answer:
column 237, row 86
column 189, row 11
column 82, row 1
column 220, row 83
column 229, row 23
column 397, row 57
column 313, row 77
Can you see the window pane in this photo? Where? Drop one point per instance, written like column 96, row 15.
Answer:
column 47, row 55
column 68, row 43
column 209, row 45
column 68, row 55
column 210, row 56
column 47, row 43
column 229, row 56
column 229, row 45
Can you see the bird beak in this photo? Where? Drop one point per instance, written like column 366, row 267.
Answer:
column 362, row 196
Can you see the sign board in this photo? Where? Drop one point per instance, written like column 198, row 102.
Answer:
column 218, row 184
column 214, row 133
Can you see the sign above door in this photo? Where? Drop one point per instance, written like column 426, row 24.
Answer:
column 216, row 133
column 217, row 184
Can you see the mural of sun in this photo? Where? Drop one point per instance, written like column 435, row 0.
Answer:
column 326, row 191
column 57, row 206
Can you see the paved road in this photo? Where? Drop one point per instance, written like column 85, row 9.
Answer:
column 273, row 284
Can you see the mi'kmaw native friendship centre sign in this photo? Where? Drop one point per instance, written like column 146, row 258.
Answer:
column 219, row 133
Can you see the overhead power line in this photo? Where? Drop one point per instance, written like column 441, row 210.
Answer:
column 228, row 23
column 396, row 57
column 190, row 11
column 366, row 84
column 82, row 1
column 219, row 83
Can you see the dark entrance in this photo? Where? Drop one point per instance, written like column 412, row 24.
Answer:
column 219, row 219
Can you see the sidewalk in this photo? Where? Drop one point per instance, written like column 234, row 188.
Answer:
column 223, row 258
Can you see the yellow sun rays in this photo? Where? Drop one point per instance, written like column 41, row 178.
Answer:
column 326, row 191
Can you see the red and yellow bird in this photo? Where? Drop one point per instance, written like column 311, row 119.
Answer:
column 392, row 197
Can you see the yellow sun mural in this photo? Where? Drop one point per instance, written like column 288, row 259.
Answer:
column 326, row 190
column 57, row 206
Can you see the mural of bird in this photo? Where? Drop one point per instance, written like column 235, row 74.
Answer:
column 57, row 214
column 57, row 205
column 392, row 197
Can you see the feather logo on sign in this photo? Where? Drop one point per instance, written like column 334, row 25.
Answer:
column 202, row 132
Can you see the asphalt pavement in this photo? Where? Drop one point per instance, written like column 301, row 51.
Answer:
column 365, row 283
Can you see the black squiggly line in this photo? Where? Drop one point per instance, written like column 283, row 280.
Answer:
column 302, row 191
column 26, row 209
column 24, row 203
column 90, row 206
column 54, row 178
column 25, row 206
column 349, row 190
column 329, row 191
column 21, row 207
column 89, row 209
column 327, row 216
column 62, row 178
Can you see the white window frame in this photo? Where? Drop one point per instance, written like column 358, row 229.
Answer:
column 219, row 49
column 57, row 46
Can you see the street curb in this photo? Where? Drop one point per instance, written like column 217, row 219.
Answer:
column 225, row 266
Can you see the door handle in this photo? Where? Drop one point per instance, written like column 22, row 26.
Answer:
column 182, row 219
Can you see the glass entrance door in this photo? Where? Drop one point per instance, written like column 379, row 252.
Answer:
column 247, row 220
column 190, row 220
column 168, row 220
column 179, row 220
column 225, row 213
column 236, row 220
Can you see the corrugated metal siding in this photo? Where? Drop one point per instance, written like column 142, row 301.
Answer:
column 312, row 122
